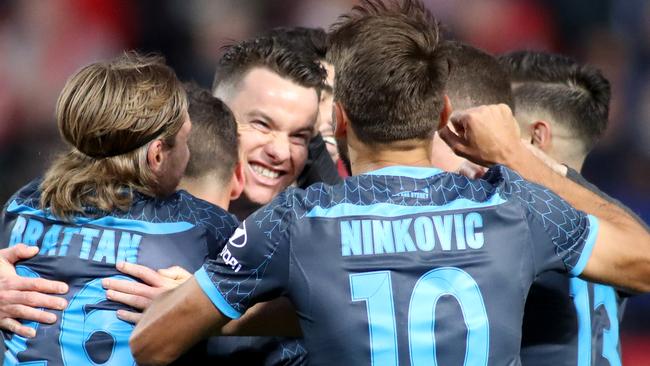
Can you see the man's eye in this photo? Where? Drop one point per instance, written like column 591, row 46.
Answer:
column 260, row 125
column 302, row 140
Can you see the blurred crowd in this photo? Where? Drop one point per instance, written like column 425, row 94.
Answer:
column 43, row 42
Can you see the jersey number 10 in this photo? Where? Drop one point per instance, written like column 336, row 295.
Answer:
column 375, row 288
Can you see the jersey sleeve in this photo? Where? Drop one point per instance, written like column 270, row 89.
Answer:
column 253, row 266
column 562, row 237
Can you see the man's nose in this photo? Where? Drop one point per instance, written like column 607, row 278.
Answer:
column 278, row 148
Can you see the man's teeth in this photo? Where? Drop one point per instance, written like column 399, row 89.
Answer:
column 265, row 172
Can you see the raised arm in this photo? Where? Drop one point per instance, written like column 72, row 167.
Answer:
column 621, row 254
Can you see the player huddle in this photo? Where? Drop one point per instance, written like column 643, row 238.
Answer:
column 457, row 238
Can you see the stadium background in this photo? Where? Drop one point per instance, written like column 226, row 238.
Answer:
column 43, row 42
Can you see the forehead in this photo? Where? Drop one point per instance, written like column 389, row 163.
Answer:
column 262, row 92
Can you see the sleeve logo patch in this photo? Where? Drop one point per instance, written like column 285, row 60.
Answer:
column 239, row 237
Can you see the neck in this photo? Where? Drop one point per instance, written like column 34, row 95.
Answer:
column 209, row 189
column 575, row 163
column 365, row 158
column 569, row 152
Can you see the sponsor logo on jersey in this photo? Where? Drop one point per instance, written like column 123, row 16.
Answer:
column 230, row 259
column 239, row 237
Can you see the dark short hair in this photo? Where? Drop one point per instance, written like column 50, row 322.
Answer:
column 574, row 95
column 301, row 67
column 475, row 78
column 390, row 73
column 213, row 141
column 302, row 38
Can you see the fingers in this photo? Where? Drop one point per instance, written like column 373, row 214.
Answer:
column 16, row 327
column 471, row 170
column 455, row 142
column 18, row 252
column 130, row 288
column 175, row 273
column 33, row 284
column 28, row 313
column 32, row 299
column 146, row 274
column 134, row 301
column 458, row 120
column 129, row 316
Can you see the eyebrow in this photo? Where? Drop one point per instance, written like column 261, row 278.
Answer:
column 259, row 114
column 304, row 129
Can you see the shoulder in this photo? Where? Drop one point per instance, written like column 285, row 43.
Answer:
column 286, row 205
column 204, row 213
column 183, row 207
column 510, row 185
column 29, row 196
column 505, row 179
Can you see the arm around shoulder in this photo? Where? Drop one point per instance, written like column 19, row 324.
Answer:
column 173, row 323
column 620, row 251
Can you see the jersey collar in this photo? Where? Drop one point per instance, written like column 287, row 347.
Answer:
column 406, row 171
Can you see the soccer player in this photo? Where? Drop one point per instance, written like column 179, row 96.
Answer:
column 213, row 136
column 274, row 93
column 213, row 174
column 401, row 263
column 562, row 109
column 111, row 198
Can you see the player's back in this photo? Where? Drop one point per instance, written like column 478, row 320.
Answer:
column 424, row 266
column 158, row 233
column 403, row 265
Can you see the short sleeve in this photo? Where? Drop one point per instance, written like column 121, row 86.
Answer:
column 562, row 237
column 253, row 266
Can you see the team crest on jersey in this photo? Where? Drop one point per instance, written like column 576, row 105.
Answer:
column 239, row 238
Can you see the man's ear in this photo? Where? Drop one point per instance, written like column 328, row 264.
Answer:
column 445, row 113
column 155, row 156
column 237, row 182
column 541, row 135
column 342, row 121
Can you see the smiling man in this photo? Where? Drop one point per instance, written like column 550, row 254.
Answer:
column 274, row 93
